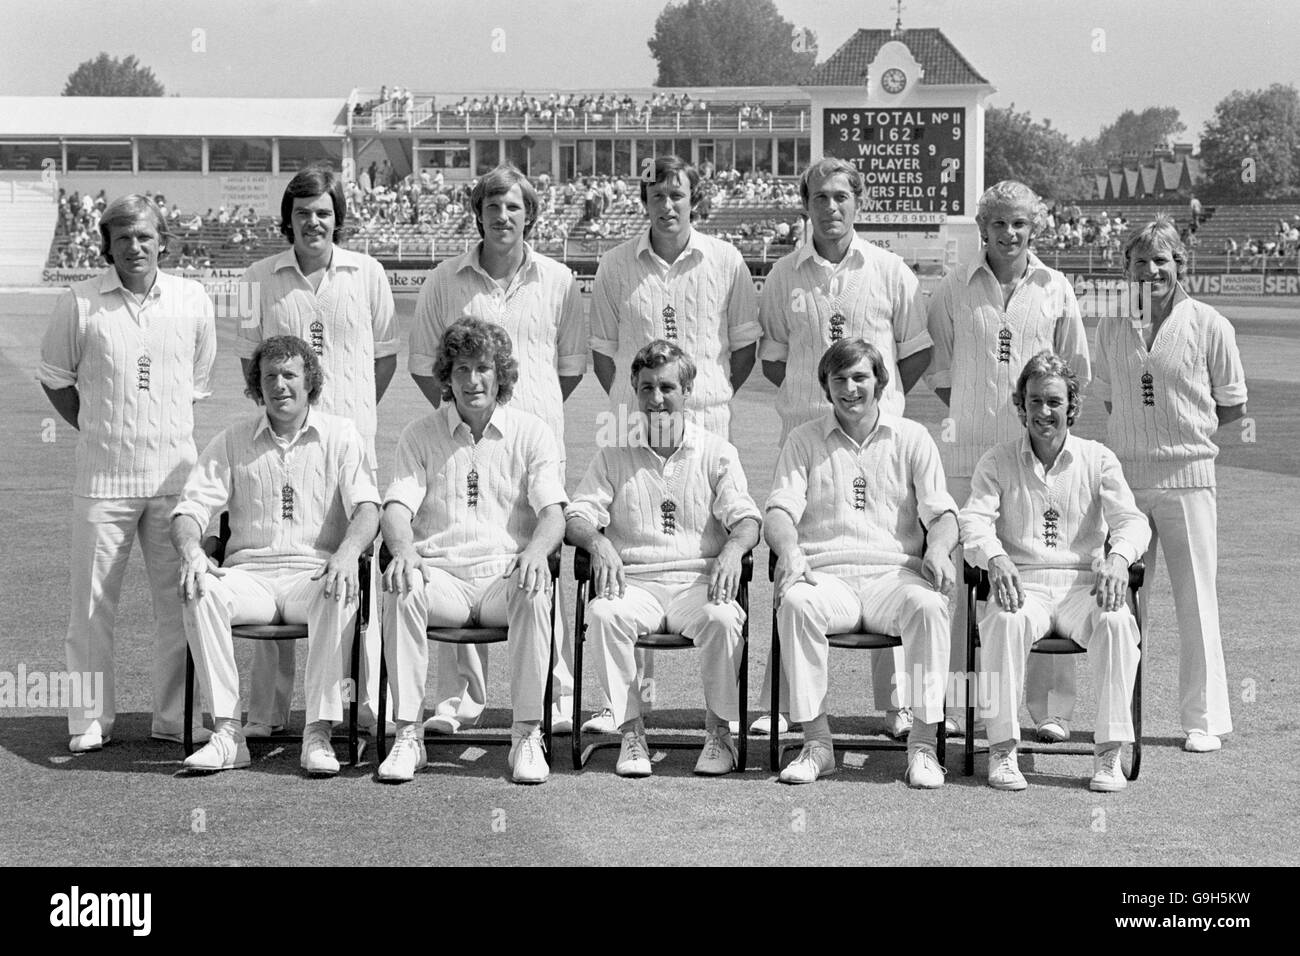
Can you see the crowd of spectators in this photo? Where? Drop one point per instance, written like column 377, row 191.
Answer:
column 1253, row 253
column 79, row 216
column 392, row 107
column 594, row 106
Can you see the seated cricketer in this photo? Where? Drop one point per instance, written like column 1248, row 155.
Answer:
column 1040, row 509
column 303, row 507
column 863, row 528
column 677, row 518
column 475, row 507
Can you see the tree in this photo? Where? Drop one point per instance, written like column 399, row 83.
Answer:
column 109, row 76
column 1044, row 159
column 1250, row 149
column 730, row 43
column 1154, row 127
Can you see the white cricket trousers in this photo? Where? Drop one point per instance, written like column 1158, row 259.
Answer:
column 889, row 601
column 1058, row 600
column 1184, row 521
column 448, row 601
column 1051, row 680
column 103, row 530
column 270, row 683
column 247, row 595
column 647, row 607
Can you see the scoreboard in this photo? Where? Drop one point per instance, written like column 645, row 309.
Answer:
column 911, row 160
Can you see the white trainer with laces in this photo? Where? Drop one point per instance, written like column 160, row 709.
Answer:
column 601, row 722
column 719, row 755
column 1107, row 775
column 317, row 756
column 1004, row 772
column 898, row 723
column 528, row 758
column 815, row 760
column 406, row 757
column 923, row 770
column 221, row 752
column 633, row 756
column 1199, row 742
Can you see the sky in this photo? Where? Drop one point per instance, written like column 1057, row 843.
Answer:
column 1079, row 63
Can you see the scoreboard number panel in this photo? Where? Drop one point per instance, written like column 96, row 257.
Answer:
column 911, row 160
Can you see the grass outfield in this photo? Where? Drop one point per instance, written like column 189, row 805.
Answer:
column 127, row 805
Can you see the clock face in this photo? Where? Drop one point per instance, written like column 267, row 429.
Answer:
column 894, row 81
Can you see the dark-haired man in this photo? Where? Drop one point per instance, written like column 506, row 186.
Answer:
column 863, row 528
column 303, row 507
column 677, row 519
column 124, row 357
column 340, row 303
column 674, row 283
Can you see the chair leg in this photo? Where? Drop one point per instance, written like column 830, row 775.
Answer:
column 354, row 705
column 188, row 732
column 1136, row 767
column 579, row 637
column 549, row 695
column 381, row 738
column 774, row 733
column 742, row 749
column 972, row 686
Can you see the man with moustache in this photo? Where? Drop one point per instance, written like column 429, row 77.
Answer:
column 340, row 303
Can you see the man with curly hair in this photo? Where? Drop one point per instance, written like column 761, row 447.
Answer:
column 986, row 319
column 303, row 507
column 475, row 507
column 536, row 300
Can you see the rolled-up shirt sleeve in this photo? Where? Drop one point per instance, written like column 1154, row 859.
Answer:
column 545, row 480
column 1106, row 330
column 910, row 332
column 1129, row 530
column 939, row 325
column 205, row 344
column 248, row 333
column 1227, row 375
column 1070, row 339
column 732, row 503
column 742, row 308
column 572, row 345
column 383, row 312
column 426, row 331
column 790, row 483
column 979, row 518
column 61, row 345
column 410, row 477
column 604, row 311
column 207, row 489
column 594, row 495
column 356, row 484
column 929, row 483
column 772, row 305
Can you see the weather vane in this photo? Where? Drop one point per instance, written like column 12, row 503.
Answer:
column 898, row 22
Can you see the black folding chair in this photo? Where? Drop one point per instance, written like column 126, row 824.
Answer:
column 216, row 548
column 656, row 641
column 476, row 635
column 977, row 589
column 850, row 640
